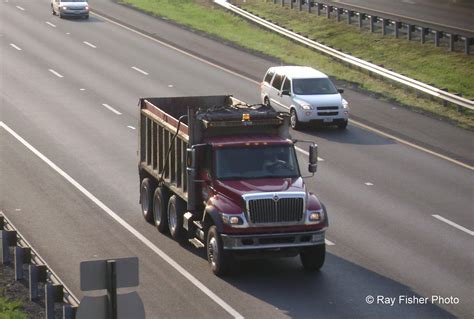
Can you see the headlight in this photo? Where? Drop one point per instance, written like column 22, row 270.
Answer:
column 64, row 8
column 237, row 220
column 315, row 217
column 345, row 104
column 306, row 106
column 87, row 8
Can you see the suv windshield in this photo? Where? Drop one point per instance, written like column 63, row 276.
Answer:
column 313, row 86
column 256, row 162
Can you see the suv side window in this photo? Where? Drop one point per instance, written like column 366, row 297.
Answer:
column 277, row 81
column 286, row 85
column 269, row 76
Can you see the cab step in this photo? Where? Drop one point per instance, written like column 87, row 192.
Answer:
column 196, row 242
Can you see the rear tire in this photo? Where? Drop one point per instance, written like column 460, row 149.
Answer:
column 160, row 207
column 176, row 209
column 343, row 125
column 294, row 122
column 313, row 257
column 146, row 199
column 266, row 101
column 218, row 258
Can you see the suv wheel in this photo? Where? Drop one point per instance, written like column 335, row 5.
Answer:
column 294, row 122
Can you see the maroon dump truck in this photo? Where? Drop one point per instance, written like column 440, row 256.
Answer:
column 224, row 176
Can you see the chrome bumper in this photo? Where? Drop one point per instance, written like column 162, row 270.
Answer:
column 273, row 241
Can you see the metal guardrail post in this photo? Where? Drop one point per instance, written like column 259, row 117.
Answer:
column 452, row 38
column 373, row 20
column 328, row 11
column 318, row 8
column 282, row 3
column 8, row 238
column 423, row 33
column 338, row 14
column 397, row 26
column 384, row 26
column 53, row 293
column 37, row 275
column 22, row 255
column 409, row 31
column 112, row 287
column 300, row 6
column 361, row 20
column 291, row 4
column 350, row 13
column 69, row 312
column 437, row 37
column 309, row 3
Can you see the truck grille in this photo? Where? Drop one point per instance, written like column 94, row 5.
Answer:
column 283, row 210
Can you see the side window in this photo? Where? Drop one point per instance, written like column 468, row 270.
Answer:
column 286, row 85
column 277, row 81
column 268, row 77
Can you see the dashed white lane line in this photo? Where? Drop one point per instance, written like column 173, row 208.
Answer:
column 127, row 226
column 15, row 46
column 307, row 153
column 50, row 24
column 131, row 127
column 90, row 44
column 20, row 8
column 111, row 109
column 369, row 184
column 447, row 221
column 329, row 243
column 139, row 70
column 56, row 73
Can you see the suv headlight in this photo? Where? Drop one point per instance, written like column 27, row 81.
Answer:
column 64, row 8
column 345, row 104
column 306, row 106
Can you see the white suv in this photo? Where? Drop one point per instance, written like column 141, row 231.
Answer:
column 307, row 94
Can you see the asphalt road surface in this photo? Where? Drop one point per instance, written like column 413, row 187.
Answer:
column 68, row 165
column 451, row 13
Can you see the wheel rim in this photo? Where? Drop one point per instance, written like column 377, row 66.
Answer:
column 172, row 219
column 293, row 118
column 213, row 251
column 145, row 201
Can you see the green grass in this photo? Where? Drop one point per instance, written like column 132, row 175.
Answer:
column 10, row 309
column 454, row 71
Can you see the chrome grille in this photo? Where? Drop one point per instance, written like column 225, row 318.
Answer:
column 283, row 210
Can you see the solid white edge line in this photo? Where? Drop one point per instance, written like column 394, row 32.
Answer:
column 139, row 70
column 447, row 221
column 258, row 83
column 15, row 46
column 21, row 8
column 128, row 227
column 111, row 109
column 89, row 44
column 56, row 73
column 50, row 24
column 131, row 127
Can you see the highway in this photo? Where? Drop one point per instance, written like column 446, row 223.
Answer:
column 68, row 165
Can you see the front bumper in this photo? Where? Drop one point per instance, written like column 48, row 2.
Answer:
column 273, row 241
column 75, row 13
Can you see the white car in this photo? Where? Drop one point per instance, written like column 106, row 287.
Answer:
column 307, row 94
column 70, row 8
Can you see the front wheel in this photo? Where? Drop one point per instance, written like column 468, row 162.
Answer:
column 218, row 258
column 294, row 122
column 266, row 101
column 312, row 257
column 343, row 125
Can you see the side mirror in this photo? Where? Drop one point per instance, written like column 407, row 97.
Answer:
column 285, row 92
column 313, row 158
column 340, row 90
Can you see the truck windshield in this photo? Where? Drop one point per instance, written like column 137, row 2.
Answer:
column 313, row 86
column 256, row 162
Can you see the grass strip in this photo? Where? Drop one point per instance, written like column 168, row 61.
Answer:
column 453, row 70
column 10, row 309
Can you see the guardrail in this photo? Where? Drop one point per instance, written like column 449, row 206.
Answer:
column 399, row 24
column 55, row 291
column 400, row 79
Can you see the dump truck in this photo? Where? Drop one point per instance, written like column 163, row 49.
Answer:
column 224, row 176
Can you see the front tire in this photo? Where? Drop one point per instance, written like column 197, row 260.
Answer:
column 176, row 209
column 343, row 125
column 160, row 206
column 294, row 122
column 218, row 258
column 146, row 199
column 313, row 257
column 266, row 101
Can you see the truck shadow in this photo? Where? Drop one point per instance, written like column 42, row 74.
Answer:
column 352, row 135
column 339, row 290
